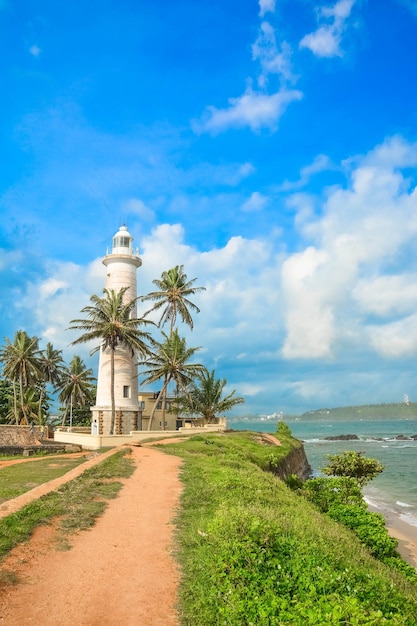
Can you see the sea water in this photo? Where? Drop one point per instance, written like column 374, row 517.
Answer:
column 395, row 489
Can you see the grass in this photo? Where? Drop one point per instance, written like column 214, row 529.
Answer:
column 77, row 503
column 19, row 478
column 253, row 553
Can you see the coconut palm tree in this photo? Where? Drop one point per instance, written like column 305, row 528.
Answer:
column 28, row 409
column 109, row 321
column 51, row 366
column 205, row 397
column 170, row 361
column 173, row 297
column 76, row 385
column 21, row 364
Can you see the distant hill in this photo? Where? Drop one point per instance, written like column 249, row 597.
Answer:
column 399, row 410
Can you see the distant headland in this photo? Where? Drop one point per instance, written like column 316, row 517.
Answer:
column 393, row 410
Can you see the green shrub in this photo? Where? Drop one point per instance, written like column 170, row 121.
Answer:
column 328, row 492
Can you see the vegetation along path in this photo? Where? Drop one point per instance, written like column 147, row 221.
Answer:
column 119, row 572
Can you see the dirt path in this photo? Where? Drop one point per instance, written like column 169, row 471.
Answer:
column 119, row 572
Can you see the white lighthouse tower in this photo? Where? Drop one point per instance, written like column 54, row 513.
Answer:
column 121, row 263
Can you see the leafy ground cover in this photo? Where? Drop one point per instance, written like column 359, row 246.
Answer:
column 77, row 504
column 254, row 553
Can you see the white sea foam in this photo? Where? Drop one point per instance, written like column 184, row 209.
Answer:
column 404, row 504
column 372, row 503
column 408, row 518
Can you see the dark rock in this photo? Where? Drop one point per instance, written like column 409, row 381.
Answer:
column 341, row 438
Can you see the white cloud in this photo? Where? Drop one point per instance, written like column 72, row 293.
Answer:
column 57, row 298
column 51, row 286
column 253, row 109
column 135, row 206
column 320, row 163
column 256, row 202
column 397, row 339
column 359, row 234
column 35, row 51
column 262, row 108
column 308, row 298
column 246, row 389
column 272, row 60
column 266, row 6
column 326, row 40
column 387, row 295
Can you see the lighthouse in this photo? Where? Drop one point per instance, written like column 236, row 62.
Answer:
column 121, row 264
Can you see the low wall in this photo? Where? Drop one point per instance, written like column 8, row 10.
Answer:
column 95, row 442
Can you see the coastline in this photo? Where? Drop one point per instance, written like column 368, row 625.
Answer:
column 406, row 534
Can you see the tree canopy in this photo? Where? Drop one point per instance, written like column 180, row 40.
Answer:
column 205, row 397
column 353, row 464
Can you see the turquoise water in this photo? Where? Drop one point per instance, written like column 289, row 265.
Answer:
column 395, row 490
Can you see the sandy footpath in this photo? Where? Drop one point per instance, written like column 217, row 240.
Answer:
column 119, row 572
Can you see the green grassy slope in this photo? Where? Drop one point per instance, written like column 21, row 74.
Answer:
column 254, row 553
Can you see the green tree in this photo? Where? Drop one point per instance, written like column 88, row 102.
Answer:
column 21, row 364
column 173, row 297
column 170, row 361
column 28, row 409
column 81, row 415
column 6, row 400
column 109, row 320
column 205, row 397
column 353, row 464
column 51, row 367
column 76, row 386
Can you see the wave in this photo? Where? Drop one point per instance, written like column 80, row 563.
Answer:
column 408, row 518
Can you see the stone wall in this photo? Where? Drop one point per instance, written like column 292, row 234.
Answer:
column 19, row 436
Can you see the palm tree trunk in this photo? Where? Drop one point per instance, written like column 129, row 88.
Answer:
column 15, row 402
column 65, row 414
column 21, row 391
column 113, row 403
column 164, row 400
column 40, row 405
column 160, row 395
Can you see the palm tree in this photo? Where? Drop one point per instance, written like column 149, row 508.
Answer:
column 205, row 397
column 110, row 321
column 28, row 408
column 76, row 385
column 21, row 363
column 169, row 361
column 51, row 366
column 172, row 297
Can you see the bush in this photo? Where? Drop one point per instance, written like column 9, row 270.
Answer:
column 354, row 465
column 328, row 492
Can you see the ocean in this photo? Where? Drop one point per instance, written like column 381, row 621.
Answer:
column 395, row 489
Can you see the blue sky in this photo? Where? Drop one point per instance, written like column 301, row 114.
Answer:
column 270, row 147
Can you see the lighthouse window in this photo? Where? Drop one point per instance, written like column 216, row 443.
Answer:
column 121, row 242
column 126, row 391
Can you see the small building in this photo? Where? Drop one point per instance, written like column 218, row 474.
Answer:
column 172, row 421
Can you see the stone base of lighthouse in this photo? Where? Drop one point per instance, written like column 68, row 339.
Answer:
column 126, row 420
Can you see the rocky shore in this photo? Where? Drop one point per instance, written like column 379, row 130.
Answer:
column 356, row 438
